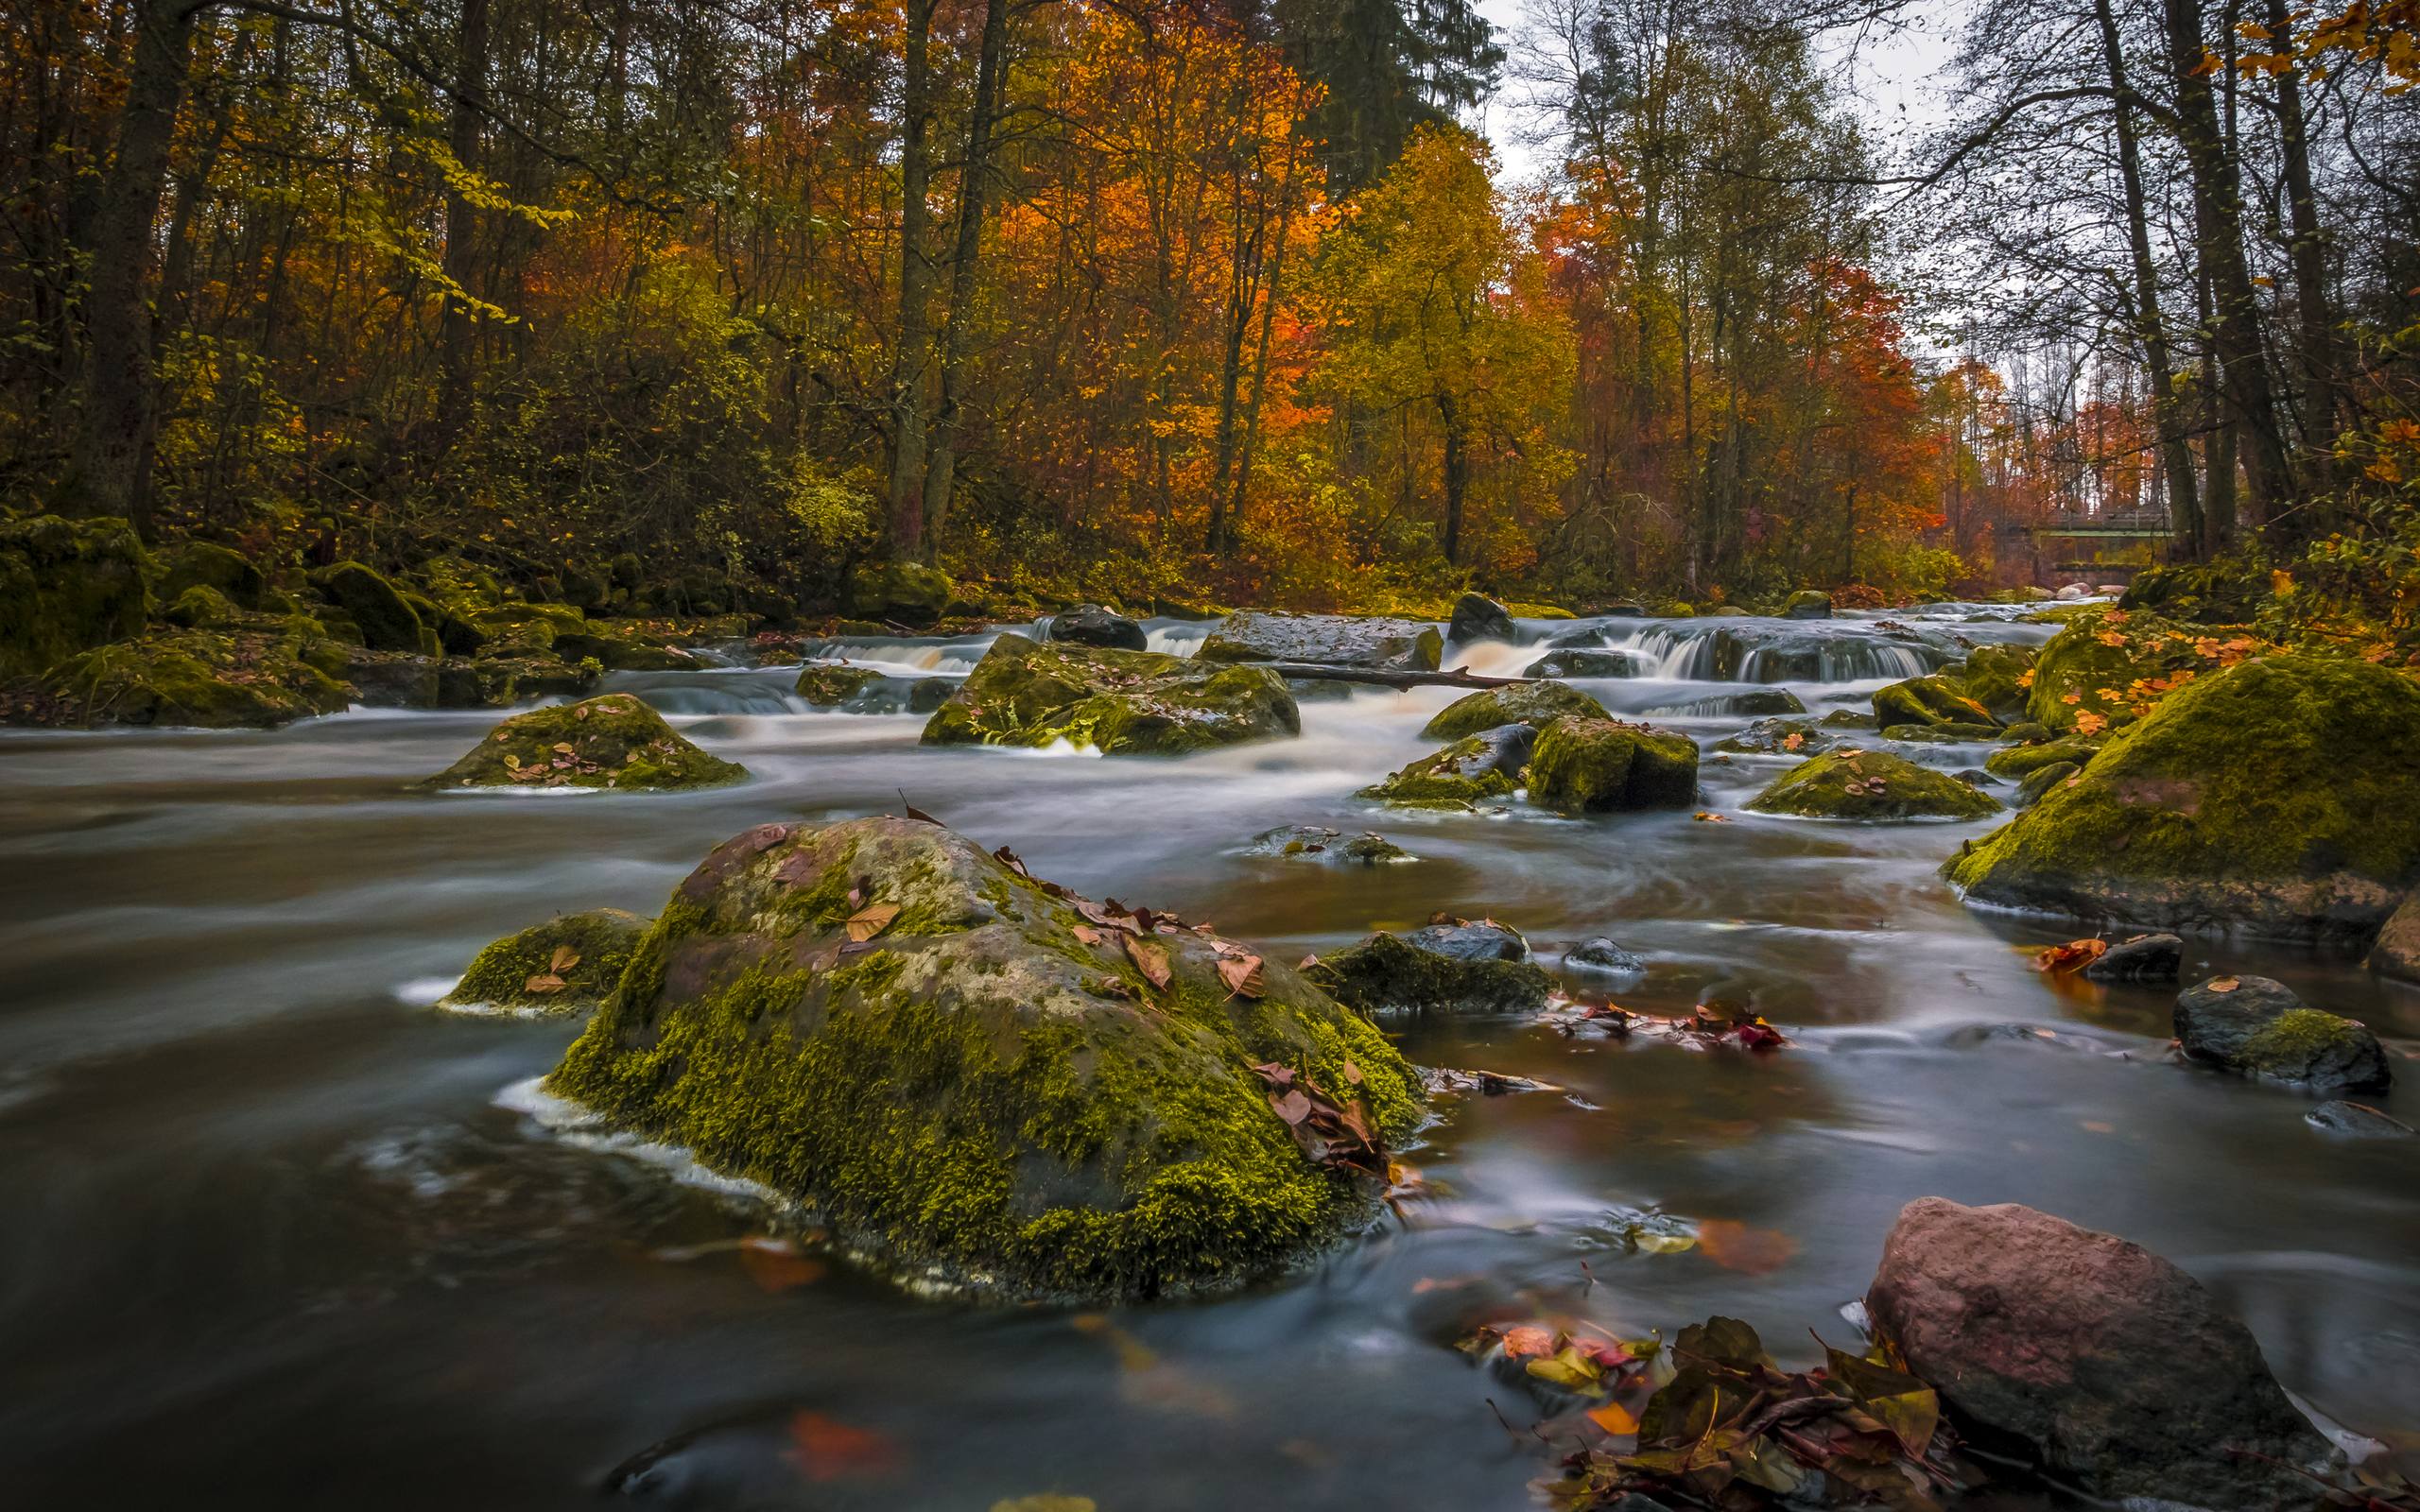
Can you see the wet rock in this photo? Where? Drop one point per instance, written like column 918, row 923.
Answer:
column 1994, row 674
column 988, row 1088
column 1601, row 955
column 2357, row 1120
column 1312, row 842
column 1977, row 777
column 1091, row 625
column 1319, row 690
column 1940, row 734
column 375, row 608
column 624, row 652
column 907, row 592
column 2098, row 1359
column 2069, row 592
column 1477, row 617
column 826, row 686
column 1535, row 704
column 1583, row 637
column 1583, row 664
column 2139, row 959
column 2090, row 666
column 1747, row 701
column 2258, row 1027
column 2397, row 951
column 2023, row 761
column 1849, row 719
column 2281, row 795
column 209, row 679
column 1471, row 770
column 1807, row 604
column 1871, row 785
column 611, row 742
column 1438, row 969
column 2041, row 780
column 1133, row 703
column 1583, row 765
column 66, row 586
column 1779, row 737
column 1934, row 700
column 1329, row 640
column 205, row 564
column 565, row 965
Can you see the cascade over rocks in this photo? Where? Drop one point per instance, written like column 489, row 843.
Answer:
column 609, row 742
column 1091, row 625
column 1326, row 640
column 1752, row 701
column 964, row 1073
column 2281, row 795
column 1478, row 617
column 1139, row 703
column 1535, row 704
column 1448, row 968
column 1582, row 663
column 565, row 965
column 1583, row 765
column 2258, row 1027
column 1867, row 784
column 2099, row 1360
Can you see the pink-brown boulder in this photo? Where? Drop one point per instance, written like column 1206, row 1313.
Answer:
column 2107, row 1365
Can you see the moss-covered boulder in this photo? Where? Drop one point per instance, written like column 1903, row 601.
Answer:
column 906, row 592
column 1807, row 604
column 615, row 741
column 966, row 1078
column 1471, row 770
column 2041, row 780
column 1996, row 677
column 827, row 686
column 2065, row 750
column 2282, row 796
column 2258, row 1027
column 1535, row 704
column 1849, row 719
column 2397, row 951
column 1869, row 784
column 1458, row 967
column 1316, row 842
column 206, row 564
column 1137, row 703
column 1585, row 765
column 1940, row 734
column 200, row 608
column 209, row 679
column 375, row 606
column 567, row 965
column 1328, row 640
column 2109, row 667
column 1934, row 700
column 67, row 586
column 2215, row 592
column 621, row 649
column 1780, row 737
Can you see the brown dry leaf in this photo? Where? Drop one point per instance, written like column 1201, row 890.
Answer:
column 1085, row 933
column 870, row 920
column 1150, row 959
column 1243, row 975
column 542, row 983
column 1709, row 816
column 580, row 713
column 563, row 746
column 1293, row 1107
column 1613, row 1419
column 1527, row 1339
column 2073, row 956
column 564, row 959
column 1736, row 1246
column 824, row 1449
column 2223, row 984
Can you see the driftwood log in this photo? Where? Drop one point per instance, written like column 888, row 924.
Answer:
column 1455, row 678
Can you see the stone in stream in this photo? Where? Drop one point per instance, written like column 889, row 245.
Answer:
column 1474, row 768
column 1091, row 625
column 1600, row 954
column 1945, row 735
column 1478, row 617
column 1932, row 699
column 2024, row 761
column 563, row 966
column 624, row 651
column 1535, row 704
column 827, row 687
column 1750, row 701
column 609, row 742
column 66, row 587
column 906, row 592
column 1583, row 638
column 1581, row 765
column 1993, row 677
column 1807, row 604
column 2093, row 1357
column 1132, row 703
column 2258, row 1027
column 1849, row 719
column 2357, row 1120
column 2092, row 664
column 1779, row 737
column 1865, row 784
column 1329, row 640
column 2397, row 951
column 969, row 1080
column 2140, row 958
column 1457, row 968
column 1312, row 842
column 1582, row 662
column 2281, row 795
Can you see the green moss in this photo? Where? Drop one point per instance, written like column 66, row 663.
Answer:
column 1470, row 770
column 1929, row 700
column 1596, row 765
column 599, row 943
column 2041, row 780
column 1385, row 972
column 1993, row 677
column 2298, row 1038
column 2113, row 666
column 203, row 679
column 825, row 686
column 2066, row 750
column 1537, row 704
column 1117, row 702
column 612, row 742
column 2218, row 592
column 66, row 587
column 1940, row 734
column 202, row 564
column 373, row 604
column 1871, row 785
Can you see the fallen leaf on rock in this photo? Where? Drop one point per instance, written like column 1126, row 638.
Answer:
column 1292, row 1106
column 1243, row 975
column 563, row 960
column 1085, row 933
column 826, row 1448
column 545, row 982
column 1750, row 1251
column 2073, row 956
column 2223, row 984
column 1151, row 959
column 870, row 920
column 1709, row 816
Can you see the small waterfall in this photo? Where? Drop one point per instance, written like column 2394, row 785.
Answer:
column 1685, row 653
column 958, row 656
column 1177, row 637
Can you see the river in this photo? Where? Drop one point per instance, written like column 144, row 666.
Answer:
column 280, row 1233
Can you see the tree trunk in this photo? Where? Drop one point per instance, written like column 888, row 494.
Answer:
column 458, row 332
column 1458, row 477
column 110, row 468
column 973, row 187
column 2321, row 355
column 914, row 350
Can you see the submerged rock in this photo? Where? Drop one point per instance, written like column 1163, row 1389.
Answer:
column 1312, row 842
column 208, row 679
column 1329, row 640
column 1465, row 967
column 1779, row 737
column 1601, row 955
column 825, row 686
column 2282, row 796
column 2104, row 1362
column 2258, row 1027
column 1933, row 699
column 1807, row 604
column 1580, row 637
column 1136, row 703
column 1580, row 663
column 1478, row 617
column 1091, row 625
column 1759, row 701
column 1581, row 765
column 565, row 965
column 2397, row 951
column 66, row 586
column 1865, row 784
column 1535, row 704
column 962, row 1076
column 2359, row 1120
column 1476, row 767
column 609, row 741
column 2140, row 958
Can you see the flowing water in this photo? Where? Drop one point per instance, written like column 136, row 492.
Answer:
column 278, row 1232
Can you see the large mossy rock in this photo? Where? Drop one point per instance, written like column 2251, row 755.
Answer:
column 2281, row 795
column 1139, row 703
column 1478, row 617
column 375, row 607
column 2397, row 953
column 1535, row 704
column 1868, row 784
column 2023, row 761
column 828, row 686
column 1465, row 967
column 982, row 1088
column 206, row 564
column 2216, row 593
column 200, row 678
column 2112, row 666
column 565, row 965
column 1807, row 604
column 907, row 592
column 1328, row 640
column 609, row 742
column 621, row 649
column 1934, row 700
column 2258, row 1027
column 1995, row 676
column 1471, row 770
column 1583, row 765
column 67, row 586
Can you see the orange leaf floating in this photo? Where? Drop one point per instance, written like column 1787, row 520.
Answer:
column 1613, row 1419
column 826, row 1448
column 2073, row 956
column 1737, row 1246
column 776, row 1265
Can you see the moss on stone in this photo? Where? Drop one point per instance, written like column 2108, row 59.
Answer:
column 1777, row 737
column 201, row 679
column 2041, row 780
column 826, row 686
column 1471, row 770
column 2282, row 795
column 585, row 952
column 2109, row 667
column 1536, row 704
column 2299, row 1038
column 1865, row 784
column 2216, row 593
column 1386, row 973
column 1994, row 676
column 611, row 742
column 1117, row 702
column 1601, row 766
column 2066, row 750
column 1933, row 699
column 387, row 623
column 1943, row 734
column 200, row 608
column 907, row 591
column 205, row 564
column 67, row 586
column 978, row 1089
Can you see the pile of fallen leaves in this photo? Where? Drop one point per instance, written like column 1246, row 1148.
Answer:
column 1708, row 1026
column 1729, row 1429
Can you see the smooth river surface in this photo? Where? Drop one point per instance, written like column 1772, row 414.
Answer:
column 276, row 1232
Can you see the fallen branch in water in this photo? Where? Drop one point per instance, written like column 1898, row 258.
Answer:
column 1456, row 679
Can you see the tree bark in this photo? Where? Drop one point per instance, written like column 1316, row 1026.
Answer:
column 1457, row 475
column 2322, row 357
column 457, row 331
column 913, row 353
column 973, row 187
